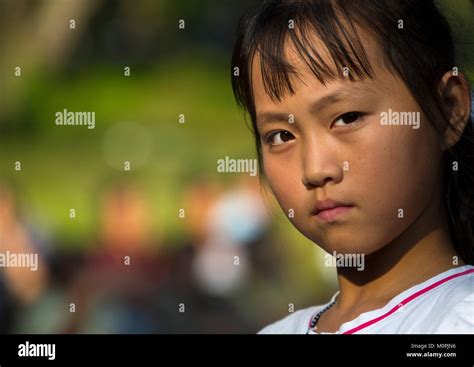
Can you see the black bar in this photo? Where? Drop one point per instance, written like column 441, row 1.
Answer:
column 140, row 350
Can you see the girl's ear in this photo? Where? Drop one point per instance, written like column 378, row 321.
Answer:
column 456, row 101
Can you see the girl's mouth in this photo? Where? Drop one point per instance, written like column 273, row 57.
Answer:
column 329, row 210
column 329, row 215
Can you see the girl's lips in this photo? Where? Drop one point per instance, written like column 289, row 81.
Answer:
column 331, row 214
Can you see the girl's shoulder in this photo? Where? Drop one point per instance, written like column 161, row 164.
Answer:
column 442, row 304
column 457, row 306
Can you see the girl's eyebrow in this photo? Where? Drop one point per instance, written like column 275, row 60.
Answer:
column 327, row 100
column 267, row 117
column 341, row 94
column 315, row 107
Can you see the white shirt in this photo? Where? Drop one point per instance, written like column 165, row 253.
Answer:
column 443, row 304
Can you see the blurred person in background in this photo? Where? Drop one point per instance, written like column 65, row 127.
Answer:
column 19, row 286
column 113, row 292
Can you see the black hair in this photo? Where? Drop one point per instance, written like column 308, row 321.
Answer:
column 415, row 42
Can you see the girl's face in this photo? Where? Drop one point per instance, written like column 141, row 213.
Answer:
column 329, row 142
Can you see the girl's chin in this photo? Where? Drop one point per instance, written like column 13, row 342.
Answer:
column 346, row 246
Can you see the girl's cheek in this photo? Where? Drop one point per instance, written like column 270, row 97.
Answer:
column 396, row 175
column 283, row 178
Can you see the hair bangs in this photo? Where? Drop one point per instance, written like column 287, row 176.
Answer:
column 341, row 53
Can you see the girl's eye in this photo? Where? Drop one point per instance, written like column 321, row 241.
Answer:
column 279, row 137
column 348, row 118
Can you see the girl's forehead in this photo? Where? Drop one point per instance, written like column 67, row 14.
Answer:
column 305, row 85
column 291, row 69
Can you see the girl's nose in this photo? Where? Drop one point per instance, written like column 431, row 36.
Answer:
column 320, row 165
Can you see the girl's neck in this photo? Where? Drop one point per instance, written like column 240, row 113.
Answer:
column 421, row 252
column 382, row 280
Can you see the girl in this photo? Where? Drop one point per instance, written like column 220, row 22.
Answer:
column 363, row 131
